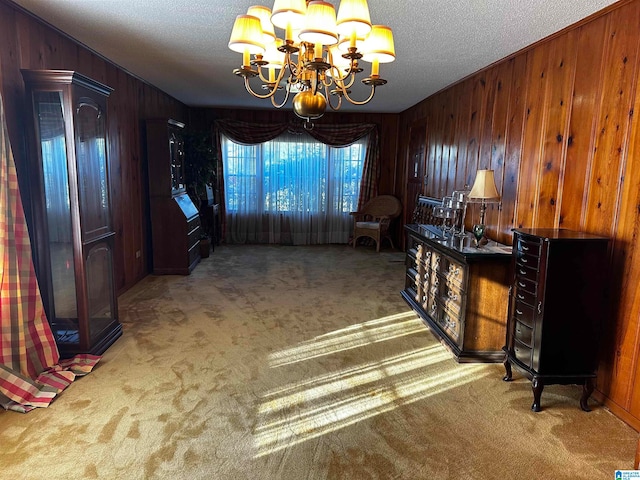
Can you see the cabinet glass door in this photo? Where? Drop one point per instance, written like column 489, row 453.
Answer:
column 58, row 209
column 91, row 159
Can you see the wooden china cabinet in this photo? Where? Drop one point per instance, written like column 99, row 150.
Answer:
column 72, row 229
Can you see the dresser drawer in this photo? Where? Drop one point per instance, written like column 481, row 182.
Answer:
column 526, row 273
column 451, row 296
column 525, row 297
column 193, row 228
column 524, row 260
column 450, row 323
column 454, row 272
column 194, row 253
column 530, row 246
column 523, row 284
column 523, row 333
column 431, row 305
column 413, row 281
column 524, row 313
column 424, row 256
column 447, row 320
column 522, row 353
column 411, row 259
column 436, row 262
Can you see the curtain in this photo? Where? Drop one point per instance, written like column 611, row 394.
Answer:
column 30, row 374
column 291, row 190
column 247, row 133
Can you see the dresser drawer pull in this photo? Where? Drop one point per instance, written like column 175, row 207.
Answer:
column 452, row 295
column 539, row 307
column 523, row 260
column 522, row 272
column 521, row 297
column 518, row 312
column 525, row 248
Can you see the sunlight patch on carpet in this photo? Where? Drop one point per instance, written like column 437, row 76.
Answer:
column 354, row 336
column 308, row 409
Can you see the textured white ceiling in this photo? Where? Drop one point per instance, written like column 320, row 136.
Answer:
column 180, row 46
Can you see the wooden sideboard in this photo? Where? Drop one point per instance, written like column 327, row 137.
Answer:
column 460, row 291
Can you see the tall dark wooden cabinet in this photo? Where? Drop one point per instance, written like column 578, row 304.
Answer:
column 555, row 308
column 72, row 230
column 175, row 221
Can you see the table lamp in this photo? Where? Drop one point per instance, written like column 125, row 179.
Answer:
column 484, row 190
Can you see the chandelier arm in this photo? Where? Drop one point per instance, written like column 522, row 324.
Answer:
column 294, row 68
column 339, row 79
column 361, row 102
column 284, row 101
column 261, row 76
column 257, row 95
column 272, row 86
column 337, row 107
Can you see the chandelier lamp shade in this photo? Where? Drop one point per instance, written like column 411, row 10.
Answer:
column 318, row 56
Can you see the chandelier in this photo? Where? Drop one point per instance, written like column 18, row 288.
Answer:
column 319, row 52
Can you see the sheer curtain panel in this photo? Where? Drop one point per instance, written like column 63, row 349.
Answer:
column 291, row 190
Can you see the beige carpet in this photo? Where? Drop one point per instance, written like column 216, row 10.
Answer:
column 300, row 363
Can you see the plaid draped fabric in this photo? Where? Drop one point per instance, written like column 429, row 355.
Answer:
column 335, row 135
column 30, row 375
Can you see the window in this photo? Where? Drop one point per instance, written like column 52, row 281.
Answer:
column 307, row 187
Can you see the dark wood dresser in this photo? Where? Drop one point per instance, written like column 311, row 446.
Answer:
column 460, row 291
column 555, row 307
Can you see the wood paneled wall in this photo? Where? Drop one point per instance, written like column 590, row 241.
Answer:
column 558, row 124
column 27, row 43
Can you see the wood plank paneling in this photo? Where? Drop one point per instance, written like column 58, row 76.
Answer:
column 30, row 44
column 612, row 127
column 462, row 99
column 555, row 129
column 537, row 74
column 499, row 115
column 569, row 158
column 513, row 147
column 584, row 112
column 616, row 171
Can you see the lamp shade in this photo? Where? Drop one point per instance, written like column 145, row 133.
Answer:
column 484, row 187
column 353, row 18
column 289, row 14
column 320, row 25
column 264, row 14
column 246, row 35
column 339, row 62
column 274, row 56
column 379, row 45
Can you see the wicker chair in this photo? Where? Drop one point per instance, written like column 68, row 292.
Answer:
column 375, row 218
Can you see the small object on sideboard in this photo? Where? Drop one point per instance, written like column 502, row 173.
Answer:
column 555, row 306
